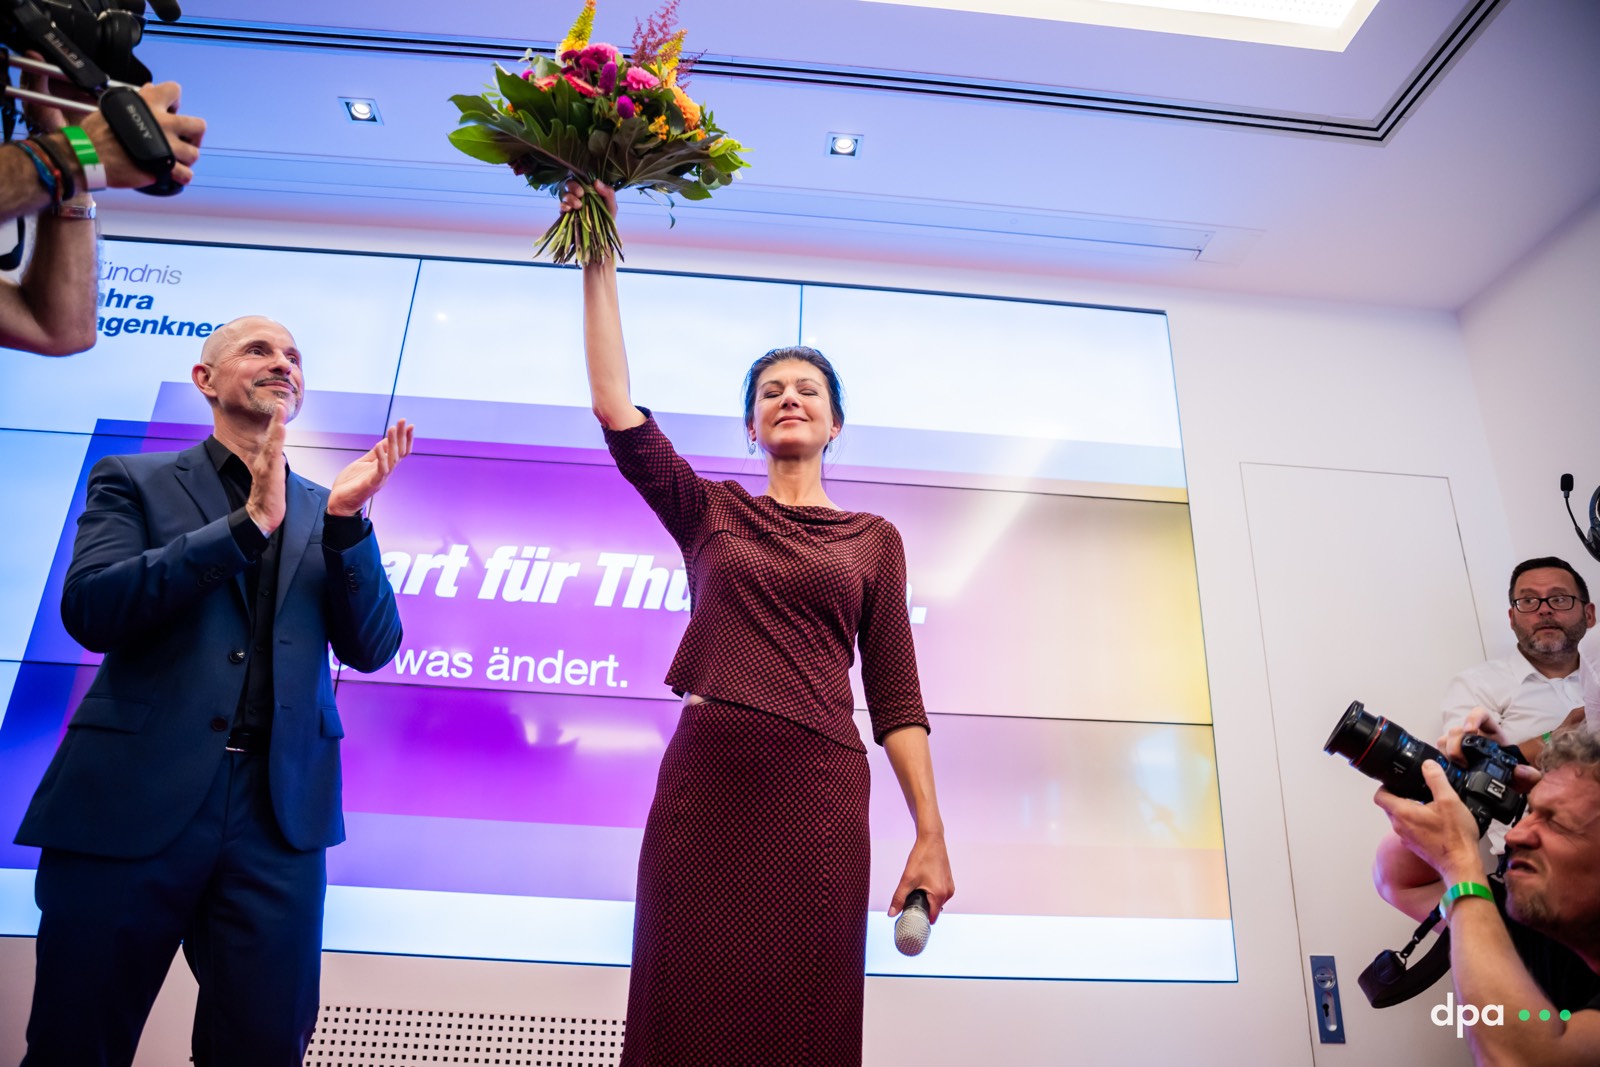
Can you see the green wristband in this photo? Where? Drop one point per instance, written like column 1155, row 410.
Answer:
column 94, row 172
column 1463, row 889
column 82, row 147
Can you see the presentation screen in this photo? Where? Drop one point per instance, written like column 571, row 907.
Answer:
column 498, row 772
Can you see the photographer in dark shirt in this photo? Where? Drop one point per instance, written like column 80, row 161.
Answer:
column 1536, row 946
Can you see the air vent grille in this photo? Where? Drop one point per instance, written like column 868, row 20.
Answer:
column 403, row 1037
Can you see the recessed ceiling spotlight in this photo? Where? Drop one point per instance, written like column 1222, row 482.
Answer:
column 361, row 110
column 844, row 144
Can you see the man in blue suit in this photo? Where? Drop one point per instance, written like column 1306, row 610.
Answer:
column 197, row 788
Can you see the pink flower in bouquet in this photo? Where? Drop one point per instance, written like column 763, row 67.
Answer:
column 589, row 60
column 626, row 121
column 638, row 79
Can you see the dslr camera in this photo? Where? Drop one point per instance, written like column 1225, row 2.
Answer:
column 1384, row 751
column 90, row 43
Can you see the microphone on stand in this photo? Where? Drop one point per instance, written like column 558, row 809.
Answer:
column 912, row 928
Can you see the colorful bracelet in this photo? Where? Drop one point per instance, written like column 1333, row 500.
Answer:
column 1463, row 889
column 47, row 175
column 61, row 163
column 94, row 171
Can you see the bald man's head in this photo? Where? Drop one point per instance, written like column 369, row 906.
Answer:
column 229, row 333
column 250, row 368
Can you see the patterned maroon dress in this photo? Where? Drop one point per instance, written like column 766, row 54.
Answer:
column 749, row 938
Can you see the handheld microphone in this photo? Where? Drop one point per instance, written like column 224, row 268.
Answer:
column 1591, row 540
column 911, row 930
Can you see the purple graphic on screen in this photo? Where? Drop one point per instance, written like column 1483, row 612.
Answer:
column 512, row 746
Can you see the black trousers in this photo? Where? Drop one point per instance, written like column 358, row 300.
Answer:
column 244, row 905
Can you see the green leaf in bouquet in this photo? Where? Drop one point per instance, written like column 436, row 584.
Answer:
column 544, row 66
column 563, row 98
column 486, row 144
column 627, row 141
column 519, row 93
column 543, row 174
column 571, row 144
column 472, row 105
column 661, row 196
column 599, row 143
column 695, row 191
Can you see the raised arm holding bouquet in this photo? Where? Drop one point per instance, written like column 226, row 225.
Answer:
column 591, row 115
column 750, row 921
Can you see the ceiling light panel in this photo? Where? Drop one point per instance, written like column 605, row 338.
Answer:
column 1328, row 14
column 1323, row 25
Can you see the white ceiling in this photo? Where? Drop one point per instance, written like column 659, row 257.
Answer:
column 1417, row 204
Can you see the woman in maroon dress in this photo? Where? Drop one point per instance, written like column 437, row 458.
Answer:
column 750, row 928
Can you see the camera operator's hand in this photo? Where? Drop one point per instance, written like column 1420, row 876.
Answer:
column 1479, row 721
column 1483, row 722
column 184, row 133
column 40, row 117
column 1443, row 834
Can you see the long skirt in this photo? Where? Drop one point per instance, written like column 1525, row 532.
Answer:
column 749, row 938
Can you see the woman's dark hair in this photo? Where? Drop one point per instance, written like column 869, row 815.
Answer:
column 804, row 355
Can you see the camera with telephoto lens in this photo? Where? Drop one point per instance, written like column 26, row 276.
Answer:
column 1383, row 750
column 103, row 32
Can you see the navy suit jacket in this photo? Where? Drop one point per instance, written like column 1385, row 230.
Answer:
column 157, row 584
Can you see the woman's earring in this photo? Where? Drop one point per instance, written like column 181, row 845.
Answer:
column 750, row 446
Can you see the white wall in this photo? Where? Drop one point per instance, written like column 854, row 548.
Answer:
column 1533, row 343
column 1263, row 381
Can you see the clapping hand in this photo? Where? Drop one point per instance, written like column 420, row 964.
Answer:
column 361, row 480
column 267, row 502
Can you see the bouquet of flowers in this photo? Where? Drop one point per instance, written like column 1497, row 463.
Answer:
column 592, row 115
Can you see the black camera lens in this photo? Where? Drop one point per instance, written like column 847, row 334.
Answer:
column 1383, row 751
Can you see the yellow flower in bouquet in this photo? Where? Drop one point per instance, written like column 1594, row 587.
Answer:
column 592, row 114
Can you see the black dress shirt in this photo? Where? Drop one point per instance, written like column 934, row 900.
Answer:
column 254, row 710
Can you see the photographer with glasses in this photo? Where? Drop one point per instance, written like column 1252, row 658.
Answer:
column 1526, row 697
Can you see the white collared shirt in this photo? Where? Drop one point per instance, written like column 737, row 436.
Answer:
column 1589, row 667
column 1525, row 702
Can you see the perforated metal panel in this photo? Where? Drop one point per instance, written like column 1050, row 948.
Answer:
column 402, row 1037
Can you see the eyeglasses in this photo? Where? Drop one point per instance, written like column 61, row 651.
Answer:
column 1529, row 604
